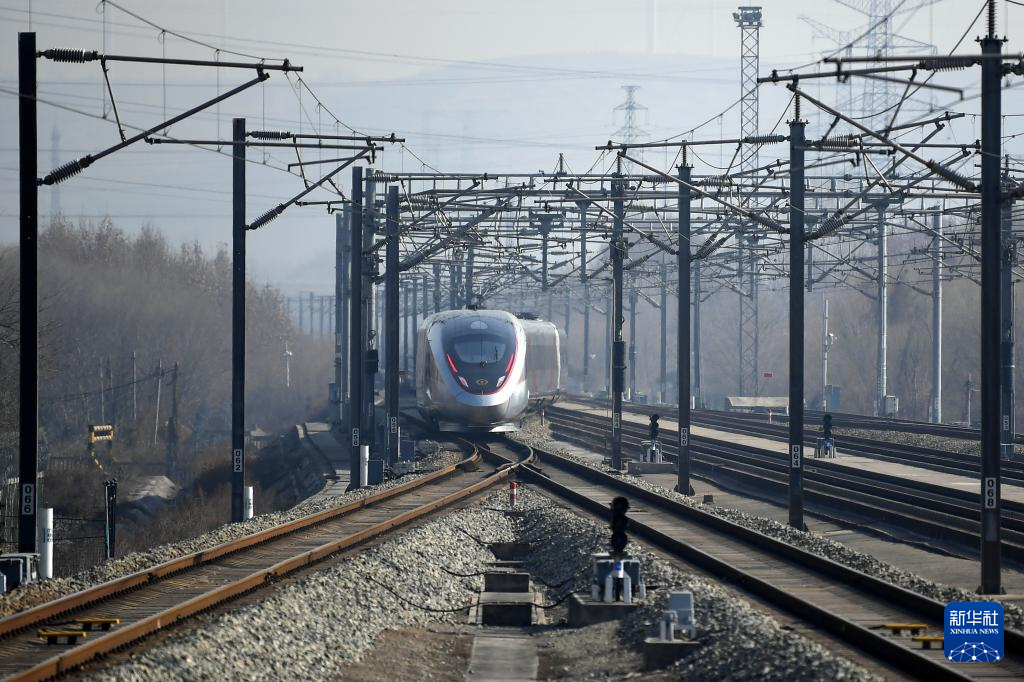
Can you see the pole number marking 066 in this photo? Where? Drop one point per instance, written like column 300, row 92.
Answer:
column 28, row 499
column 394, row 424
column 795, row 452
column 684, row 436
column 355, row 438
column 988, row 492
column 237, row 460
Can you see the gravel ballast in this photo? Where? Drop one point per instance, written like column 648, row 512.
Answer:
column 535, row 434
column 738, row 641
column 308, row 628
column 40, row 592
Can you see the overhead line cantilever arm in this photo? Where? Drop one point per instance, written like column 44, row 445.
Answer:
column 756, row 217
column 933, row 166
column 426, row 253
column 649, row 237
column 280, row 208
column 73, row 168
column 61, row 54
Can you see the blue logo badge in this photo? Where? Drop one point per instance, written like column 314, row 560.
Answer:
column 974, row 632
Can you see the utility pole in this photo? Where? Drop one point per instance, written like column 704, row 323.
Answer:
column 827, row 340
column 312, row 312
column 391, row 324
column 615, row 314
column 586, row 295
column 404, row 352
column 632, row 343
column 936, row 411
column 663, row 367
column 356, row 358
column 883, row 314
column 135, row 393
column 698, row 368
column 156, row 412
column 470, row 258
column 172, row 424
column 683, row 331
column 28, row 279
column 993, row 410
column 287, row 365
column 103, row 391
column 302, row 314
column 238, row 320
column 437, row 287
column 796, row 318
column 413, row 323
column 372, row 340
column 342, row 251
column 1006, row 323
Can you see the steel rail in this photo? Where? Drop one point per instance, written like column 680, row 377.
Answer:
column 124, row 635
column 888, row 649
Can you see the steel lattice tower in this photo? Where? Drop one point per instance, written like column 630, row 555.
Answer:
column 629, row 132
column 748, row 19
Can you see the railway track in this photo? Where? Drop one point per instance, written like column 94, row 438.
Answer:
column 958, row 463
column 929, row 511
column 169, row 593
column 849, row 605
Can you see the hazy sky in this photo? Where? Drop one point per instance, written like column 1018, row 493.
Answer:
column 474, row 85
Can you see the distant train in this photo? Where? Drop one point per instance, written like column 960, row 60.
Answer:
column 484, row 370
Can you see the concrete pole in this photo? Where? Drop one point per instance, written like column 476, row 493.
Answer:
column 796, row 320
column 1007, row 336
column 993, row 409
column 586, row 296
column 342, row 249
column 356, row 330
column 936, row 406
column 437, row 287
column 373, row 327
column 825, row 345
column 28, row 277
column 663, row 366
column 391, row 312
column 698, row 367
column 632, row 344
column 618, row 247
column 683, row 332
column 237, row 322
column 882, row 311
column 46, row 543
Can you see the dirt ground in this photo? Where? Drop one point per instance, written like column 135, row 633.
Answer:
column 440, row 654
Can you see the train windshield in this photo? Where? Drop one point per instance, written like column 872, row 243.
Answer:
column 480, row 352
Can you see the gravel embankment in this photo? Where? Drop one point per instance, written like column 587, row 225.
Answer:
column 965, row 446
column 534, row 434
column 739, row 642
column 37, row 593
column 308, row 628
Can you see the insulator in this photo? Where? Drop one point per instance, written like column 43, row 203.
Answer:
column 64, row 54
column 68, row 170
column 767, row 222
column 952, row 176
column 763, row 139
column 946, row 64
column 831, row 224
column 267, row 217
column 269, row 135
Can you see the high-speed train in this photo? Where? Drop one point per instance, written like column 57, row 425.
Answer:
column 483, row 370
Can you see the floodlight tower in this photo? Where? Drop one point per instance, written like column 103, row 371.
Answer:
column 748, row 18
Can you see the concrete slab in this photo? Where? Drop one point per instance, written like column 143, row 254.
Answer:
column 636, row 468
column 506, row 581
column 659, row 653
column 509, row 551
column 583, row 611
column 503, row 656
column 506, row 608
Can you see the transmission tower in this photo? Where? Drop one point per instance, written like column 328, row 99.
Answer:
column 748, row 19
column 630, row 132
column 874, row 38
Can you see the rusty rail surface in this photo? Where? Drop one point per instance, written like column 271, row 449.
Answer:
column 122, row 636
